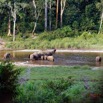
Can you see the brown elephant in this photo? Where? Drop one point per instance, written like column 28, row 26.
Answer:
column 50, row 53
column 31, row 56
column 34, row 56
column 41, row 55
column 98, row 59
column 7, row 56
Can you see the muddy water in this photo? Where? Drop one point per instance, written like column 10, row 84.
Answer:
column 61, row 58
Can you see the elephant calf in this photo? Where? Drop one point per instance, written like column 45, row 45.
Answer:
column 49, row 58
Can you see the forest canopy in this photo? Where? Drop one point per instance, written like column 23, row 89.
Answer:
column 34, row 16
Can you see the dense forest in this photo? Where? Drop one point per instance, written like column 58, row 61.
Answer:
column 40, row 15
column 53, row 19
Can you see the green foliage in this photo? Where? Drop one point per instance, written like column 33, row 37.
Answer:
column 47, row 40
column 41, row 92
column 59, row 85
column 57, row 34
column 45, row 44
column 76, row 93
column 8, row 79
column 60, row 91
column 78, row 15
column 86, row 35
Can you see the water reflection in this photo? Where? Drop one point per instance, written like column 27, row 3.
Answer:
column 98, row 64
column 60, row 58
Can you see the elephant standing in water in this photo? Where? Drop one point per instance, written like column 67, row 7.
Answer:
column 7, row 56
column 50, row 53
column 98, row 59
column 43, row 55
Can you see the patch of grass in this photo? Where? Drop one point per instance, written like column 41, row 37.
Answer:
column 77, row 72
column 59, row 84
column 43, row 41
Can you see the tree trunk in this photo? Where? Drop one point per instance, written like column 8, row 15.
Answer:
column 101, row 23
column 50, row 15
column 9, row 26
column 14, row 11
column 35, row 24
column 61, row 21
column 57, row 6
column 61, row 14
column 45, row 15
column 14, row 30
column 62, row 4
column 36, row 15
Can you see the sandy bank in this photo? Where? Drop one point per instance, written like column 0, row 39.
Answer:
column 26, row 64
column 61, row 50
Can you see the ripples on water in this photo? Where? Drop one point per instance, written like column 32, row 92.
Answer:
column 60, row 58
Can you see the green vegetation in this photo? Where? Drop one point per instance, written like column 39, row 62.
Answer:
column 8, row 80
column 51, row 73
column 44, row 24
column 65, row 18
column 80, row 15
column 51, row 84
column 60, row 84
column 61, row 38
column 71, row 24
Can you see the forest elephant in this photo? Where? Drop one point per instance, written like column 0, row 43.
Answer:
column 43, row 55
column 7, row 56
column 50, row 53
column 98, row 59
column 34, row 56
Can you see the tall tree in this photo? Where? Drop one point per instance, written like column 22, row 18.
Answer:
column 4, row 4
column 9, row 24
column 100, row 7
column 101, row 22
column 62, row 3
column 46, row 14
column 50, row 15
column 15, row 7
column 38, row 6
column 57, row 9
column 14, row 10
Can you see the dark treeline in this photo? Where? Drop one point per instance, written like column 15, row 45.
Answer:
column 30, row 16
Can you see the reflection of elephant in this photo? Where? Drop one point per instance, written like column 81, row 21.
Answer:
column 49, row 58
column 7, row 56
column 98, row 59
